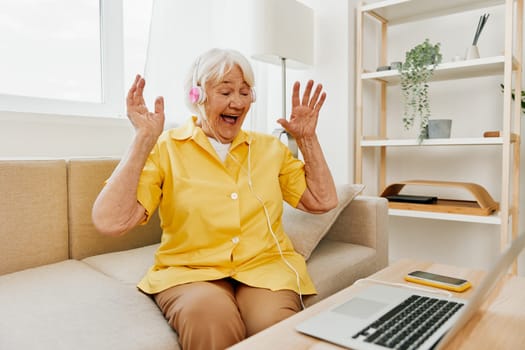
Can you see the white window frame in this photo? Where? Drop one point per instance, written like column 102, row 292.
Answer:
column 112, row 79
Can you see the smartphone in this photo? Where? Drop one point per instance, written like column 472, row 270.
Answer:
column 438, row 281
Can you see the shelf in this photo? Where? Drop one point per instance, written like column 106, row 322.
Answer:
column 482, row 205
column 374, row 88
column 493, row 219
column 433, row 142
column 404, row 11
column 480, row 67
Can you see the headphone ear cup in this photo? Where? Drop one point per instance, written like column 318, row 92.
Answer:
column 197, row 95
column 254, row 95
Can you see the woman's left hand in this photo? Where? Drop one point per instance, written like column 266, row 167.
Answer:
column 305, row 112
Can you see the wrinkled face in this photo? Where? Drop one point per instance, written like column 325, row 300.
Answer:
column 226, row 105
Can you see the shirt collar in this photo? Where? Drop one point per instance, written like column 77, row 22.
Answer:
column 190, row 130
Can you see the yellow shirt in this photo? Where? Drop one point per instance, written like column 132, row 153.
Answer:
column 213, row 224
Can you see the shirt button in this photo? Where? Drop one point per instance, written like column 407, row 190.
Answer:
column 234, row 196
column 235, row 240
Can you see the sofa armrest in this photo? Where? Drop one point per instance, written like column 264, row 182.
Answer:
column 364, row 222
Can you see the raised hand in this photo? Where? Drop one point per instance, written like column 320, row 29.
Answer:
column 149, row 123
column 116, row 209
column 305, row 112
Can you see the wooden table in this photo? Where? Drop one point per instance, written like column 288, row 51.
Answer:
column 500, row 324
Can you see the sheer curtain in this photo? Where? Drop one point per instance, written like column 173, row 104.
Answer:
column 181, row 30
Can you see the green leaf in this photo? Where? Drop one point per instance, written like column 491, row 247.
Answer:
column 417, row 69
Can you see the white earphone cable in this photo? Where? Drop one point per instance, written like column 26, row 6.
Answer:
column 250, row 185
column 268, row 221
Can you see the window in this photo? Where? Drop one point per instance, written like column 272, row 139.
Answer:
column 56, row 55
column 80, row 57
column 71, row 57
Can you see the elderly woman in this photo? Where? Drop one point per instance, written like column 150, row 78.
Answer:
column 225, row 268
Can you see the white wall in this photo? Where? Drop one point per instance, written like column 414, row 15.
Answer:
column 334, row 66
column 24, row 135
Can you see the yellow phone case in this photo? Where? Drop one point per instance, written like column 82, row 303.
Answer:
column 436, row 284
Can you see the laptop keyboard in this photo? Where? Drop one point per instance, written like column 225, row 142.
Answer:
column 409, row 324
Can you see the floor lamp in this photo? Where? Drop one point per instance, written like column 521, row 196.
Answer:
column 284, row 35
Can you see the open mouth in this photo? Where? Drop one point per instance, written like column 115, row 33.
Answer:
column 230, row 119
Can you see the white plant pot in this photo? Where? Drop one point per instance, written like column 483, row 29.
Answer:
column 439, row 128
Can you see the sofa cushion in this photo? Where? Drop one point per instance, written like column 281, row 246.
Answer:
column 127, row 266
column 33, row 213
column 69, row 305
column 306, row 230
column 335, row 265
column 85, row 180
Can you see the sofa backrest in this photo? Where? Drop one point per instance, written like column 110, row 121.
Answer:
column 33, row 213
column 86, row 178
column 45, row 213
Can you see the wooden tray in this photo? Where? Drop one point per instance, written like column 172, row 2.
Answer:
column 482, row 205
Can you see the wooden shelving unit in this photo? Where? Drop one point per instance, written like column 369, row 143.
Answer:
column 508, row 65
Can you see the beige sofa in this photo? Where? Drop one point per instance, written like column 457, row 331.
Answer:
column 65, row 286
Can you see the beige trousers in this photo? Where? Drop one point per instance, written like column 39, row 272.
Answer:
column 216, row 314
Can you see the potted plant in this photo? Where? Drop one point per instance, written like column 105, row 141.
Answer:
column 416, row 71
column 514, row 96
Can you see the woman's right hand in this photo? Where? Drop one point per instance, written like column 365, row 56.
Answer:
column 150, row 124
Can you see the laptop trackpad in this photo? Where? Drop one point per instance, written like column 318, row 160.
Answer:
column 360, row 308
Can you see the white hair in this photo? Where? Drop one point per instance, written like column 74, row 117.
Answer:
column 212, row 66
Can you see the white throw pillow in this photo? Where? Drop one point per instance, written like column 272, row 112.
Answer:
column 306, row 230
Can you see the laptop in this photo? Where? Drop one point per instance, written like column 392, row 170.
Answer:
column 395, row 317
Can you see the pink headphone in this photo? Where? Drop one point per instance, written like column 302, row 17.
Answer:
column 197, row 94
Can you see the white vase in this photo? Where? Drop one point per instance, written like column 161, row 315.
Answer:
column 472, row 53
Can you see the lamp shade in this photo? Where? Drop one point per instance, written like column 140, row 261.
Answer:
column 283, row 29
